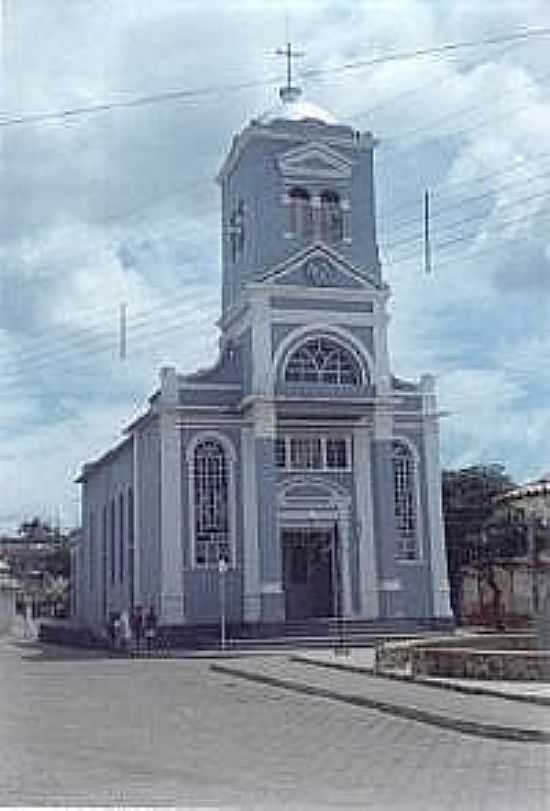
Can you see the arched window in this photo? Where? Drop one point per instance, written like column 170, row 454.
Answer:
column 332, row 223
column 323, row 360
column 404, row 482
column 211, row 504
column 301, row 214
column 121, row 537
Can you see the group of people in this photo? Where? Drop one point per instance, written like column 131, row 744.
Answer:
column 132, row 632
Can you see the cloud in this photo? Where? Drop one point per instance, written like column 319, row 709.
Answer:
column 122, row 206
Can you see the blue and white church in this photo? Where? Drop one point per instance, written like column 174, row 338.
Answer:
column 298, row 459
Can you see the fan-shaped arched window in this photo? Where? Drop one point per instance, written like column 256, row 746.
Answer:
column 301, row 214
column 332, row 221
column 405, row 502
column 323, row 360
column 211, row 502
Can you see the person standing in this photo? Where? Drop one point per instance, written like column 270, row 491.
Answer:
column 136, row 624
column 150, row 628
column 125, row 632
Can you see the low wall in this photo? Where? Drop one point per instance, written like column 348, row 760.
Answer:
column 460, row 663
column 506, row 657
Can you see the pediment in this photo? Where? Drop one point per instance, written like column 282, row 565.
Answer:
column 316, row 161
column 319, row 268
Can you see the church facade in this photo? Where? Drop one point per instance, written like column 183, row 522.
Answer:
column 298, row 460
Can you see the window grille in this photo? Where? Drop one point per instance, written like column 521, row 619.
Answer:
column 313, row 453
column 404, row 478
column 306, row 453
column 336, row 454
column 322, row 360
column 211, row 494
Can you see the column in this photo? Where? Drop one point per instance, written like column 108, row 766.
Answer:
column 272, row 595
column 171, row 557
column 251, row 552
column 438, row 558
column 345, row 572
column 389, row 585
column 368, row 565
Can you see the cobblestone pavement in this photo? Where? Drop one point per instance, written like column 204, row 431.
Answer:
column 83, row 729
column 482, row 714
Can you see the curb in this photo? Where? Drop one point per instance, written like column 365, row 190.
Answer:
column 493, row 731
column 424, row 682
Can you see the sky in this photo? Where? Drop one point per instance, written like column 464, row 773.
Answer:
column 120, row 205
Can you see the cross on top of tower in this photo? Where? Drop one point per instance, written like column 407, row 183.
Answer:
column 288, row 92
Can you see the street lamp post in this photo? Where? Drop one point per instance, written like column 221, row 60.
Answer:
column 222, row 571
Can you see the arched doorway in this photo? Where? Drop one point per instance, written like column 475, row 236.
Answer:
column 313, row 520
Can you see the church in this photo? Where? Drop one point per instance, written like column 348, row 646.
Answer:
column 298, row 468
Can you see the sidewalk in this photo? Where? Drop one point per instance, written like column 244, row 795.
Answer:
column 363, row 661
column 483, row 715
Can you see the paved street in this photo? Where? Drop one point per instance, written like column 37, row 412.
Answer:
column 88, row 729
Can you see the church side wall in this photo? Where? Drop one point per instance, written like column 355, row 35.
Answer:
column 103, row 561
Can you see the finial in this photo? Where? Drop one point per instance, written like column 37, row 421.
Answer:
column 288, row 93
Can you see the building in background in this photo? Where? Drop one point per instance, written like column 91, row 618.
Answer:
column 512, row 579
column 8, row 588
column 298, row 459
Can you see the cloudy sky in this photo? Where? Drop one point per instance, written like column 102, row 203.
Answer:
column 119, row 205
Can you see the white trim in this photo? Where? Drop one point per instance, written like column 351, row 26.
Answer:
column 332, row 503
column 261, row 345
column 292, row 163
column 255, row 129
column 419, row 534
column 271, row 588
column 327, row 252
column 205, row 386
column 171, row 521
column 438, row 563
column 251, row 552
column 368, row 559
column 229, row 449
column 359, row 319
column 320, row 329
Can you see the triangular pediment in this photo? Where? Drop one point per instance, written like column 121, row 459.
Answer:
column 314, row 160
column 320, row 267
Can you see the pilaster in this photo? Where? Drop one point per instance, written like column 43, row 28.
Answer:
column 440, row 579
column 271, row 588
column 368, row 565
column 171, row 557
column 251, row 552
column 384, row 518
column 261, row 342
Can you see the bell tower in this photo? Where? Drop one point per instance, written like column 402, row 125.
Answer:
column 295, row 177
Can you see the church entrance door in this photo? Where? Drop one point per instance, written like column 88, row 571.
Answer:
column 308, row 573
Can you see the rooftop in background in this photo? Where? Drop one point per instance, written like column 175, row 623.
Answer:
column 538, row 487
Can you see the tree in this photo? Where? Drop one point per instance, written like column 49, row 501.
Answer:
column 468, row 510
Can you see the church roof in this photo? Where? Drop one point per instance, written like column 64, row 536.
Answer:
column 295, row 108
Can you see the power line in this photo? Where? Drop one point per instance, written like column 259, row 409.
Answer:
column 68, row 335
column 190, row 94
